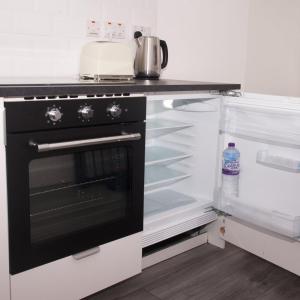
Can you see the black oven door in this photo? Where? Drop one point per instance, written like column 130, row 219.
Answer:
column 73, row 189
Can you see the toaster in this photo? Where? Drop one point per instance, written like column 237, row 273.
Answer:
column 107, row 61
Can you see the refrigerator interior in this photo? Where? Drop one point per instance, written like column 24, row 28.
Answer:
column 266, row 130
column 181, row 155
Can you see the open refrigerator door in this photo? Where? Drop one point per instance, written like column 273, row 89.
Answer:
column 181, row 157
column 266, row 131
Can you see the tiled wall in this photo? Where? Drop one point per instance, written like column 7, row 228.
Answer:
column 44, row 37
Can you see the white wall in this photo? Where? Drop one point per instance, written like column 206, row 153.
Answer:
column 44, row 37
column 252, row 42
column 207, row 38
column 273, row 56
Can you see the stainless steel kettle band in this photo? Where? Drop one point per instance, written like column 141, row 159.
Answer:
column 87, row 142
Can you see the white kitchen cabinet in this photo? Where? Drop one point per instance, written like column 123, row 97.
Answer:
column 71, row 278
column 186, row 134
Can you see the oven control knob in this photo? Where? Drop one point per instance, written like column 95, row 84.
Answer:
column 115, row 110
column 86, row 112
column 54, row 114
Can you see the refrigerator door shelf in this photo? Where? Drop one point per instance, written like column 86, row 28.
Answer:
column 268, row 159
column 282, row 223
column 267, row 121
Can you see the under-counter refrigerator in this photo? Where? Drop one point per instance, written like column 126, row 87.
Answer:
column 186, row 135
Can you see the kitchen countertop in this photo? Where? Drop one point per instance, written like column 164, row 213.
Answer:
column 20, row 87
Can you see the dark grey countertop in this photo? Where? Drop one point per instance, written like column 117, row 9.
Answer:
column 20, row 87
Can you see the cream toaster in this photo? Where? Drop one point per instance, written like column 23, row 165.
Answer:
column 107, row 61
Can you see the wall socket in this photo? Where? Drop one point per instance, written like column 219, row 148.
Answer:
column 110, row 30
column 93, row 28
column 114, row 30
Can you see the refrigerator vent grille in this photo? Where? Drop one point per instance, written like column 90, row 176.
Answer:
column 163, row 234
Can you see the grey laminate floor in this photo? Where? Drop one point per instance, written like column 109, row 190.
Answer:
column 206, row 273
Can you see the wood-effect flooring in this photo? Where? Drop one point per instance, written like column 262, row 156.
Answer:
column 208, row 273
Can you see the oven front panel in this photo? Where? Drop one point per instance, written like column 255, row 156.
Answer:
column 66, row 200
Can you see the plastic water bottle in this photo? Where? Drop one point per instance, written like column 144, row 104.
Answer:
column 231, row 171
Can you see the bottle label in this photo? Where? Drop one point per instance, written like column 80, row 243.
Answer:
column 231, row 167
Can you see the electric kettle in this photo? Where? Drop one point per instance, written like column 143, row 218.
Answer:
column 148, row 60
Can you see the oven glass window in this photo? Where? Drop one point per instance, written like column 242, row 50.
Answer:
column 70, row 193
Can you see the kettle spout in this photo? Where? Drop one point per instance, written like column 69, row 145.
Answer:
column 139, row 43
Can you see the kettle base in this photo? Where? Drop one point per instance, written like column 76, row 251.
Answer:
column 147, row 77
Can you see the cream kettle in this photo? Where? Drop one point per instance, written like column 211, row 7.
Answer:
column 149, row 59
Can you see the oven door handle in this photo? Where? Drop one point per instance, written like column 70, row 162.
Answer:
column 87, row 142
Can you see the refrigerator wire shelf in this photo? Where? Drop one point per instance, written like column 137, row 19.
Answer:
column 156, row 176
column 163, row 155
column 158, row 127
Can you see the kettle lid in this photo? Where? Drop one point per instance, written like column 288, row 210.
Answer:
column 137, row 34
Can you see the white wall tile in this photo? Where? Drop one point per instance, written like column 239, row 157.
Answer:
column 44, row 37
column 117, row 10
column 62, row 25
column 6, row 65
column 58, row 7
column 78, row 28
column 16, row 42
column 94, row 10
column 86, row 8
column 55, row 44
column 33, row 23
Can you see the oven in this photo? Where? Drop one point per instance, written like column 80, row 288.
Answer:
column 75, row 175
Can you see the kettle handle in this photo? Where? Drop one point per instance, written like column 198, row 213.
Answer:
column 164, row 48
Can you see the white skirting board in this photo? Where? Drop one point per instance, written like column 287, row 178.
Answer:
column 173, row 250
column 277, row 249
